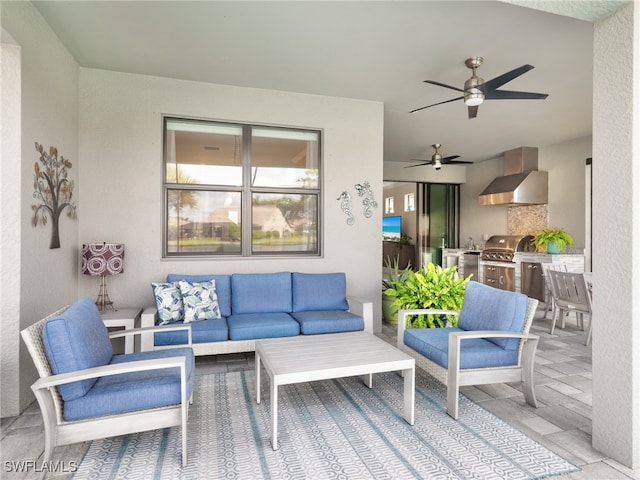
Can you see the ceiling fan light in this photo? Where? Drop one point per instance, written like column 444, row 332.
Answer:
column 437, row 165
column 473, row 98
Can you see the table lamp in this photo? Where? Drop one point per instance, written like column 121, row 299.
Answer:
column 103, row 259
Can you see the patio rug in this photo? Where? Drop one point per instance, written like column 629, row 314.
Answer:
column 328, row 429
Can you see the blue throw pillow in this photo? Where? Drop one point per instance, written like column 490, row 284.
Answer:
column 168, row 302
column 200, row 301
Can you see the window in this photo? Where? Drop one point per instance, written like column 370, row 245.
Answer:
column 388, row 205
column 233, row 189
column 409, row 202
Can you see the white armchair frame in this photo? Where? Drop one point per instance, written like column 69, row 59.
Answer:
column 454, row 377
column 59, row 431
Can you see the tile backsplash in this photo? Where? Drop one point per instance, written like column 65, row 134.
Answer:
column 527, row 219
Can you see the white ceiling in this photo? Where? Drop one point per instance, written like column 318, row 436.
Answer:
column 381, row 50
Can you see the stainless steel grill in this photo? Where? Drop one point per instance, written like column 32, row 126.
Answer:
column 502, row 248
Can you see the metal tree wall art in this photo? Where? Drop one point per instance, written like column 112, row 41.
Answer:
column 53, row 191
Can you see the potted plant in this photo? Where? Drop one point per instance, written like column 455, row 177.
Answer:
column 432, row 287
column 552, row 240
column 394, row 274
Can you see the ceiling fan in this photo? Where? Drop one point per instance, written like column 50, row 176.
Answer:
column 437, row 160
column 476, row 90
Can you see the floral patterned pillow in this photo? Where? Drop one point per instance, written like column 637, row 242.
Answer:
column 168, row 302
column 200, row 300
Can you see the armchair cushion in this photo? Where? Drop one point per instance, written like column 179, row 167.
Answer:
column 223, row 288
column 261, row 293
column 488, row 308
column 328, row 321
column 433, row 343
column 132, row 391
column 319, row 291
column 75, row 340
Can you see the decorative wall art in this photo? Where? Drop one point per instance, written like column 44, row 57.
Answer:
column 345, row 205
column 369, row 202
column 53, row 191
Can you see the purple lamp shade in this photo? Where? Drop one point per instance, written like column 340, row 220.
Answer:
column 102, row 258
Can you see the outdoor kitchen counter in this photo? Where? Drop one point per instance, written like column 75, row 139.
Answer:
column 574, row 261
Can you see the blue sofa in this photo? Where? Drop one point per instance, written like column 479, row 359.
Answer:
column 265, row 305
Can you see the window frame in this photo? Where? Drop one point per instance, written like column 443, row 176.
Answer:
column 246, row 191
column 389, row 207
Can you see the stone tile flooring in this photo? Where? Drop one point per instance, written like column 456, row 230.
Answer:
column 562, row 423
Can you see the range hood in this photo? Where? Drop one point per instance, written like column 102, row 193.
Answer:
column 522, row 182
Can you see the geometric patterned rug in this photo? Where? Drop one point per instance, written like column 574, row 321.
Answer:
column 327, row 429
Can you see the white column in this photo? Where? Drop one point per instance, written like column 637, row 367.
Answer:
column 616, row 236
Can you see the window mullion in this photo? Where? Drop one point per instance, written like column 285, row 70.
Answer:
column 247, row 226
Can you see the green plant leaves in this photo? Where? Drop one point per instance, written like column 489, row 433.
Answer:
column 432, row 287
column 556, row 235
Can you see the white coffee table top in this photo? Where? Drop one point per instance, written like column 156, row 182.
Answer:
column 317, row 357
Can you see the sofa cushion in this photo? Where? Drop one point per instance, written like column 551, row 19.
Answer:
column 328, row 321
column 223, row 287
column 319, row 291
column 75, row 340
column 200, row 301
column 204, row 331
column 248, row 326
column 135, row 390
column 488, row 308
column 433, row 343
column 260, row 293
column 168, row 302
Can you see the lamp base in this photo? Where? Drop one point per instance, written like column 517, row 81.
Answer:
column 103, row 302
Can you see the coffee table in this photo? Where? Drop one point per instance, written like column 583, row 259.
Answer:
column 306, row 358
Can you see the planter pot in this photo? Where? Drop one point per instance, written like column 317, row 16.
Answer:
column 389, row 312
column 553, row 248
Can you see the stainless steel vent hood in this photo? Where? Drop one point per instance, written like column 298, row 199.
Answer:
column 522, row 183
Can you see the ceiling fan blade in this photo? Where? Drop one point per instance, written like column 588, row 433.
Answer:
column 418, row 165
column 473, row 111
column 448, row 159
column 434, row 104
column 457, row 161
column 504, row 78
column 433, row 82
column 511, row 95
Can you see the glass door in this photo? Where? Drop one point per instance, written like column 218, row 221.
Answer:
column 438, row 220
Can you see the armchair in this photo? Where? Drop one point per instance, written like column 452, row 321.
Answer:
column 85, row 392
column 491, row 344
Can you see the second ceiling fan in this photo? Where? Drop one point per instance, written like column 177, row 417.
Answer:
column 437, row 160
column 476, row 90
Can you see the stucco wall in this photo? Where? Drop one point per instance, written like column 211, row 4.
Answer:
column 10, row 225
column 616, row 237
column 121, row 176
column 49, row 115
column 565, row 163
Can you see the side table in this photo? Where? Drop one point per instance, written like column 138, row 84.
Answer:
column 123, row 318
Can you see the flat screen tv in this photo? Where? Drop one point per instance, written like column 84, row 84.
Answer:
column 391, row 227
